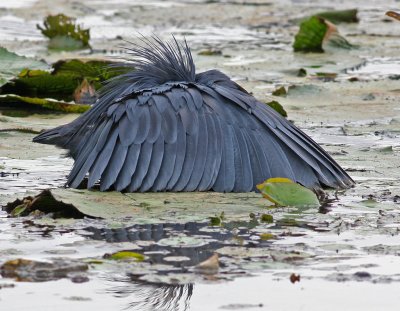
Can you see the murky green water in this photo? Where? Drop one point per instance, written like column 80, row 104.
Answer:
column 346, row 252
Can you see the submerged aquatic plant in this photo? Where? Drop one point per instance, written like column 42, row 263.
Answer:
column 64, row 33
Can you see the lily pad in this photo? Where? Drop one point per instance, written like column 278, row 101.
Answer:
column 12, row 64
column 125, row 255
column 284, row 192
column 16, row 101
column 158, row 207
column 340, row 16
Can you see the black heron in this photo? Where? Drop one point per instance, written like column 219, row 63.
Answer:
column 162, row 127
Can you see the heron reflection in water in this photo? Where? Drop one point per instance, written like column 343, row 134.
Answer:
column 162, row 127
column 145, row 296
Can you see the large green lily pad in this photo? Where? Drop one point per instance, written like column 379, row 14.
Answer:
column 157, row 207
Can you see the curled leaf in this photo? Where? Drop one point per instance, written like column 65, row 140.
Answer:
column 393, row 14
column 316, row 32
column 209, row 266
column 85, row 93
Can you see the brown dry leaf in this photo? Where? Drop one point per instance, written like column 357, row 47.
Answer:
column 393, row 14
column 294, row 278
column 209, row 266
column 85, row 93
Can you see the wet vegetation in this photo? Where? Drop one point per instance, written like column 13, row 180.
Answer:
column 64, row 33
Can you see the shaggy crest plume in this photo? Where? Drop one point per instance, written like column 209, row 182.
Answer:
column 155, row 63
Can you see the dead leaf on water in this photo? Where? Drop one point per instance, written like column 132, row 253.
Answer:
column 393, row 14
column 209, row 266
column 294, row 278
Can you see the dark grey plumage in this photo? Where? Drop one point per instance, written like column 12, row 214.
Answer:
column 161, row 127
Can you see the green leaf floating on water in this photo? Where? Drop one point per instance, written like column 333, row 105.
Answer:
column 12, row 64
column 125, row 255
column 316, row 32
column 64, row 33
column 285, row 192
column 12, row 100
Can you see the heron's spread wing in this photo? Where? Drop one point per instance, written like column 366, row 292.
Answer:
column 160, row 127
column 287, row 150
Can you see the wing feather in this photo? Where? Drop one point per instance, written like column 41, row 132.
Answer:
column 211, row 158
column 88, row 155
column 114, row 166
column 181, row 142
column 201, row 155
column 227, row 174
column 247, row 181
column 196, row 97
column 128, row 169
column 144, row 125
column 102, row 159
column 155, row 124
column 155, row 164
column 167, row 166
column 142, row 167
column 189, row 160
column 127, row 130
column 169, row 124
